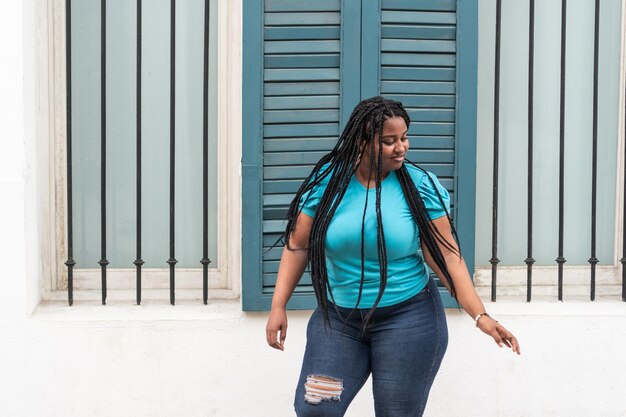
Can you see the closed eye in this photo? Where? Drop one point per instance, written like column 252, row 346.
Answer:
column 389, row 143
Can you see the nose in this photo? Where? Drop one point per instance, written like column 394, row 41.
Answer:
column 399, row 146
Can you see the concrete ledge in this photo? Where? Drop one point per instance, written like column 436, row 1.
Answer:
column 150, row 310
column 230, row 310
column 558, row 308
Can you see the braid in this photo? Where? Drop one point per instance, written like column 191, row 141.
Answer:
column 339, row 165
column 429, row 233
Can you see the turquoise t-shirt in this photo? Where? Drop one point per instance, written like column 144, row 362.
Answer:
column 406, row 274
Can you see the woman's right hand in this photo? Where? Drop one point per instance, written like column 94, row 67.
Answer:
column 292, row 264
column 276, row 323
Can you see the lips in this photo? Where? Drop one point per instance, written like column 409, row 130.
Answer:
column 398, row 158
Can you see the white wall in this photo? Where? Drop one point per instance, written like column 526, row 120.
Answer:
column 19, row 117
column 194, row 360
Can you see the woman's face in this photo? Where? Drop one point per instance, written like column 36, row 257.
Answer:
column 395, row 145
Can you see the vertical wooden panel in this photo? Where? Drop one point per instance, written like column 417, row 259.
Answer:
column 296, row 104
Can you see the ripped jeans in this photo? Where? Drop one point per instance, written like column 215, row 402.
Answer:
column 402, row 348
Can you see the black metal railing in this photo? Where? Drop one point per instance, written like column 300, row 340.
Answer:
column 530, row 261
column 70, row 263
column 103, row 150
column 623, row 259
column 560, row 259
column 172, row 260
column 138, row 262
column 205, row 261
column 496, row 155
column 593, row 261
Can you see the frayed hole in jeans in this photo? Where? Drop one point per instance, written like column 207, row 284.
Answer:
column 320, row 388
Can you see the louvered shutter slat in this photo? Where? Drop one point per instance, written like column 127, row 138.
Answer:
column 301, row 109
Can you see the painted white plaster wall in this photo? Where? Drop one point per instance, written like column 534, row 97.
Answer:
column 194, row 360
column 19, row 119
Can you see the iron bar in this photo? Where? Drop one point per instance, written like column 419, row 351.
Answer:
column 103, row 147
column 623, row 260
column 205, row 261
column 593, row 261
column 496, row 126
column 68, row 115
column 138, row 261
column 172, row 259
column 560, row 259
column 531, row 59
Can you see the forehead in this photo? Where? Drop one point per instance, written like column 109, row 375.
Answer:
column 394, row 126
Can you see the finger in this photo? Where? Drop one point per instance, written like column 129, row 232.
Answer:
column 283, row 334
column 496, row 337
column 506, row 341
column 271, row 337
column 510, row 340
column 507, row 337
column 515, row 344
column 272, row 340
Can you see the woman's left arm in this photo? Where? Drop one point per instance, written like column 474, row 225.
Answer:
column 465, row 292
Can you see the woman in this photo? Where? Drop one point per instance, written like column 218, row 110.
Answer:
column 358, row 220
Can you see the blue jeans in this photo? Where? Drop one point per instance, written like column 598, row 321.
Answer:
column 402, row 348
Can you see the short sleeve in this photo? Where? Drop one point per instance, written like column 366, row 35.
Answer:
column 430, row 197
column 309, row 201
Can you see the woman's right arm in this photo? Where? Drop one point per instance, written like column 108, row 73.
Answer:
column 292, row 265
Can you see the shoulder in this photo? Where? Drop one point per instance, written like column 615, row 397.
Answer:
column 320, row 181
column 310, row 199
column 324, row 175
column 426, row 182
column 417, row 175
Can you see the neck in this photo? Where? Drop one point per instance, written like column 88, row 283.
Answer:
column 362, row 172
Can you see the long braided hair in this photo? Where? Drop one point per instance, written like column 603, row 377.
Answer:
column 364, row 126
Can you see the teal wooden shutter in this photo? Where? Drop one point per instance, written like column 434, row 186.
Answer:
column 306, row 64
column 417, row 66
column 411, row 53
column 300, row 102
column 300, row 112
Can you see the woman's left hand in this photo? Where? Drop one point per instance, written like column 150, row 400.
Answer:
column 500, row 335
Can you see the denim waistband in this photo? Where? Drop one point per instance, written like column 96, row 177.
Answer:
column 385, row 309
